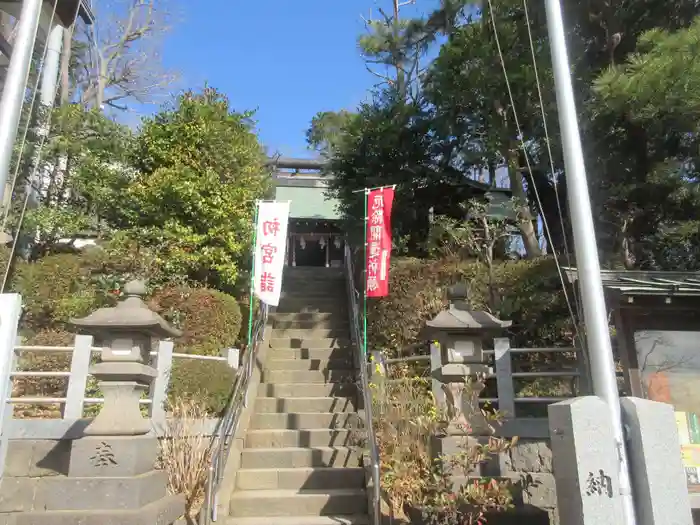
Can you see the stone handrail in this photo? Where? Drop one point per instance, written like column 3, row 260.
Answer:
column 82, row 351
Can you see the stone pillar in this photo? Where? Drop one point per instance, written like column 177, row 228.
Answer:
column 111, row 476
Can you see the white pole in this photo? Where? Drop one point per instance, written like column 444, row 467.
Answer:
column 16, row 84
column 592, row 297
column 52, row 63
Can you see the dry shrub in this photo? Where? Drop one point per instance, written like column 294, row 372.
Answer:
column 406, row 418
column 185, row 453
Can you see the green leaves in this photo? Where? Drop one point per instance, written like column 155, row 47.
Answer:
column 201, row 171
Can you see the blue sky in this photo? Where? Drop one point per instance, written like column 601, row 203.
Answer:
column 289, row 59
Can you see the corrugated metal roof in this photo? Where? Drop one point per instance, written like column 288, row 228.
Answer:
column 631, row 282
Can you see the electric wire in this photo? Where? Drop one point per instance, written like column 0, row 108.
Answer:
column 546, row 132
column 521, row 139
column 23, row 140
column 548, row 143
column 39, row 152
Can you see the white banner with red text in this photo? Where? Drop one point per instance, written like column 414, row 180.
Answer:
column 270, row 250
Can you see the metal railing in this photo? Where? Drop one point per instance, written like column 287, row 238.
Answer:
column 362, row 365
column 226, row 431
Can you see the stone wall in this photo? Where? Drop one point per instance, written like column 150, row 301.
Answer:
column 529, row 465
column 29, row 466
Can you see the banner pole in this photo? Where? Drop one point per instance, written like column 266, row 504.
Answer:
column 364, row 284
column 252, row 278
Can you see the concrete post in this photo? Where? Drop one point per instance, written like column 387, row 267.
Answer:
column 658, row 477
column 586, row 463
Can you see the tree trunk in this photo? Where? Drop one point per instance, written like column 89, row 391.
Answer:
column 525, row 219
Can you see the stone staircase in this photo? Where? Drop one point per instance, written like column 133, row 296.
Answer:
column 299, row 465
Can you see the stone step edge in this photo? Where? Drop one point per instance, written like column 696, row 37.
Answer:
column 295, row 493
column 346, row 519
column 296, row 449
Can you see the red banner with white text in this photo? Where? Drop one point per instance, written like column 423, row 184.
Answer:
column 378, row 250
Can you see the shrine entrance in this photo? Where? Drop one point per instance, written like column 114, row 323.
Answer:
column 315, row 249
column 314, row 237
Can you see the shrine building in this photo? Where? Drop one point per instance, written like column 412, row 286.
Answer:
column 315, row 235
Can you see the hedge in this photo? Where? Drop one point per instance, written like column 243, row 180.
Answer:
column 59, row 287
column 210, row 320
column 527, row 292
column 210, row 382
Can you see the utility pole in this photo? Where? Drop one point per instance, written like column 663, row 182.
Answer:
column 47, row 98
column 16, row 84
column 588, row 266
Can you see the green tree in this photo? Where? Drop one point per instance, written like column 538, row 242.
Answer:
column 82, row 180
column 201, row 169
column 474, row 120
column 327, row 129
column 653, row 98
column 387, row 143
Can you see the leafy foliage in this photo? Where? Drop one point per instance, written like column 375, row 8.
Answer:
column 210, row 320
column 525, row 292
column 209, row 382
column 201, row 169
column 85, row 177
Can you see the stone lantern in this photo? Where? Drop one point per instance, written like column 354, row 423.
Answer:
column 460, row 333
column 112, row 476
column 124, row 372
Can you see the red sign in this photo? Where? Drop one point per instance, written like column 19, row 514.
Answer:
column 378, row 249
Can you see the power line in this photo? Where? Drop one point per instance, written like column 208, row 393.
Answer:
column 529, row 167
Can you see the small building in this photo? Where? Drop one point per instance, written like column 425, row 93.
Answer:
column 315, row 234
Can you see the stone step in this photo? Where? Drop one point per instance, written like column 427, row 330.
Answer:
column 280, row 405
column 311, row 502
column 307, row 390
column 306, row 317
column 305, row 308
column 310, row 333
column 284, row 438
column 309, row 364
column 307, row 376
column 359, row 519
column 300, row 478
column 311, row 289
column 311, row 324
column 295, row 342
column 304, row 421
column 311, row 353
column 336, row 306
column 293, row 457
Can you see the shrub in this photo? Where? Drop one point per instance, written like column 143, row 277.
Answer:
column 185, row 453
column 406, row 419
column 53, row 290
column 210, row 320
column 208, row 382
column 42, row 386
column 529, row 293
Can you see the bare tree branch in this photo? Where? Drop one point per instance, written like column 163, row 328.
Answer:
column 119, row 59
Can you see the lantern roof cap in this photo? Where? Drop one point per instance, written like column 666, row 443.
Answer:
column 460, row 318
